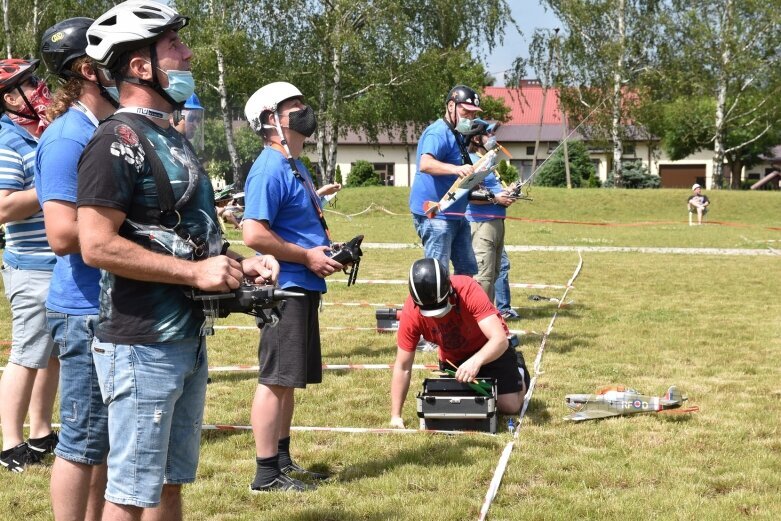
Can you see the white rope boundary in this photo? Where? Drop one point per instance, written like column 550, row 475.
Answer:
column 501, row 466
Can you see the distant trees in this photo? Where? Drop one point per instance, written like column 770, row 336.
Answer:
column 700, row 74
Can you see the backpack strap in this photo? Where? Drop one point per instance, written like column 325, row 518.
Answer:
column 167, row 211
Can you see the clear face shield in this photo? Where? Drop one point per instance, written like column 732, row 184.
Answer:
column 194, row 127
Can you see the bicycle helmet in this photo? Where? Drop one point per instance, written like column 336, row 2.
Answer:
column 429, row 286
column 130, row 26
column 14, row 72
column 63, row 43
column 267, row 99
column 465, row 96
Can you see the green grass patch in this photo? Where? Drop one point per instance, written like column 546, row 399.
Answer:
column 706, row 323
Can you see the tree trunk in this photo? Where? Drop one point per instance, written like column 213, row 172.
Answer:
column 226, row 119
column 7, row 28
column 320, row 134
column 721, row 98
column 332, row 130
column 615, row 129
column 566, row 148
column 736, row 171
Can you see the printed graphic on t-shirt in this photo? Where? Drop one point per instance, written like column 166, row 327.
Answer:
column 114, row 172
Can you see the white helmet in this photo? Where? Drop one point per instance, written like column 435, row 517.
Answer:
column 267, row 98
column 129, row 26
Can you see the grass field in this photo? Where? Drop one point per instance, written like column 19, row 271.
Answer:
column 710, row 324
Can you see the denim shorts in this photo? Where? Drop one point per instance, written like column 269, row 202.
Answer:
column 155, row 395
column 83, row 415
column 447, row 240
column 31, row 343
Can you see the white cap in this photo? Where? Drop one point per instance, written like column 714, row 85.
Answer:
column 267, row 98
column 696, row 186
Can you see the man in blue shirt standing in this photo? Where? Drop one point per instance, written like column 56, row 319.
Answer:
column 82, row 101
column 283, row 217
column 30, row 379
column 442, row 158
column 486, row 218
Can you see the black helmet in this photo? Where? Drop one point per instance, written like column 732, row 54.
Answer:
column 63, row 43
column 464, row 95
column 429, row 286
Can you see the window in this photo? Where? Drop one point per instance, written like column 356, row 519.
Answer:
column 552, row 146
column 629, row 149
column 385, row 171
column 530, row 151
column 524, row 167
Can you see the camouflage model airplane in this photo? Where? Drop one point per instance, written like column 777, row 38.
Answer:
column 620, row 401
column 463, row 185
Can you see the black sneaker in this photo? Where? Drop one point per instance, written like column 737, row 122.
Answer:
column 17, row 458
column 295, row 468
column 282, row 483
column 40, row 447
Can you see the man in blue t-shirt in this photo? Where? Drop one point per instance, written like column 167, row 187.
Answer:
column 79, row 471
column 283, row 216
column 486, row 219
column 441, row 159
column 29, row 382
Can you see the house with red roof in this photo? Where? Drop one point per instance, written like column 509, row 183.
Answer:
column 534, row 116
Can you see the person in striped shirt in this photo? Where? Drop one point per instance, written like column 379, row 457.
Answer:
column 29, row 382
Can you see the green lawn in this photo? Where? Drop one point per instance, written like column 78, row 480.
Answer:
column 707, row 323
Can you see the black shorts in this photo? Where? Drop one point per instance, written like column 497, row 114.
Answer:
column 289, row 354
column 504, row 369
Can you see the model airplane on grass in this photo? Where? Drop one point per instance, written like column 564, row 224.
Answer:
column 620, row 401
column 463, row 185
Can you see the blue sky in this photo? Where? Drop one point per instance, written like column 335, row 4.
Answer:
column 528, row 14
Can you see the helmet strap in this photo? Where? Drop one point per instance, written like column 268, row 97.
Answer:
column 281, row 135
column 32, row 116
column 154, row 84
column 103, row 92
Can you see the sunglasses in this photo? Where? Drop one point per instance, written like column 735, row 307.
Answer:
column 33, row 81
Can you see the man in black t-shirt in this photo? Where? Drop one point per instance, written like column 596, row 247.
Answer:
column 697, row 204
column 149, row 350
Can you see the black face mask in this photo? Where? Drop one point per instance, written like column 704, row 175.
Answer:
column 303, row 121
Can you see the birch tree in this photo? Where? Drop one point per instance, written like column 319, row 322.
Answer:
column 604, row 46
column 719, row 64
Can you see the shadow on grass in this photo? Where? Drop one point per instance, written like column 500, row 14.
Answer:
column 389, row 350
column 564, row 343
column 338, row 514
column 537, row 413
column 439, row 451
column 224, row 376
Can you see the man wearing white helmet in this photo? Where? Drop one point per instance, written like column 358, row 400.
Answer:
column 146, row 218
column 283, row 216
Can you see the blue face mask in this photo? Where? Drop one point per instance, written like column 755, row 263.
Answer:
column 181, row 85
column 113, row 92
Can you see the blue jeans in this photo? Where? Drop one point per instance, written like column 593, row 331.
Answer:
column 502, row 288
column 447, row 240
column 155, row 395
column 84, row 416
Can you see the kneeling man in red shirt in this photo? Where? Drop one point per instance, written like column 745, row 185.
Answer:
column 455, row 313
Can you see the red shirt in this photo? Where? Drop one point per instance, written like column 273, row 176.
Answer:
column 457, row 334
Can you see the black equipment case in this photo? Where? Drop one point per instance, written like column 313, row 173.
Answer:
column 449, row 405
column 387, row 319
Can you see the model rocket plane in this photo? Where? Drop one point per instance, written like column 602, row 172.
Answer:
column 620, row 401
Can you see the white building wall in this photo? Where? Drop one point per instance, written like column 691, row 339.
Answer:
column 403, row 158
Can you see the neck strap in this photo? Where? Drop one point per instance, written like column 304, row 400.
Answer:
column 310, row 189
column 459, row 141
column 146, row 111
